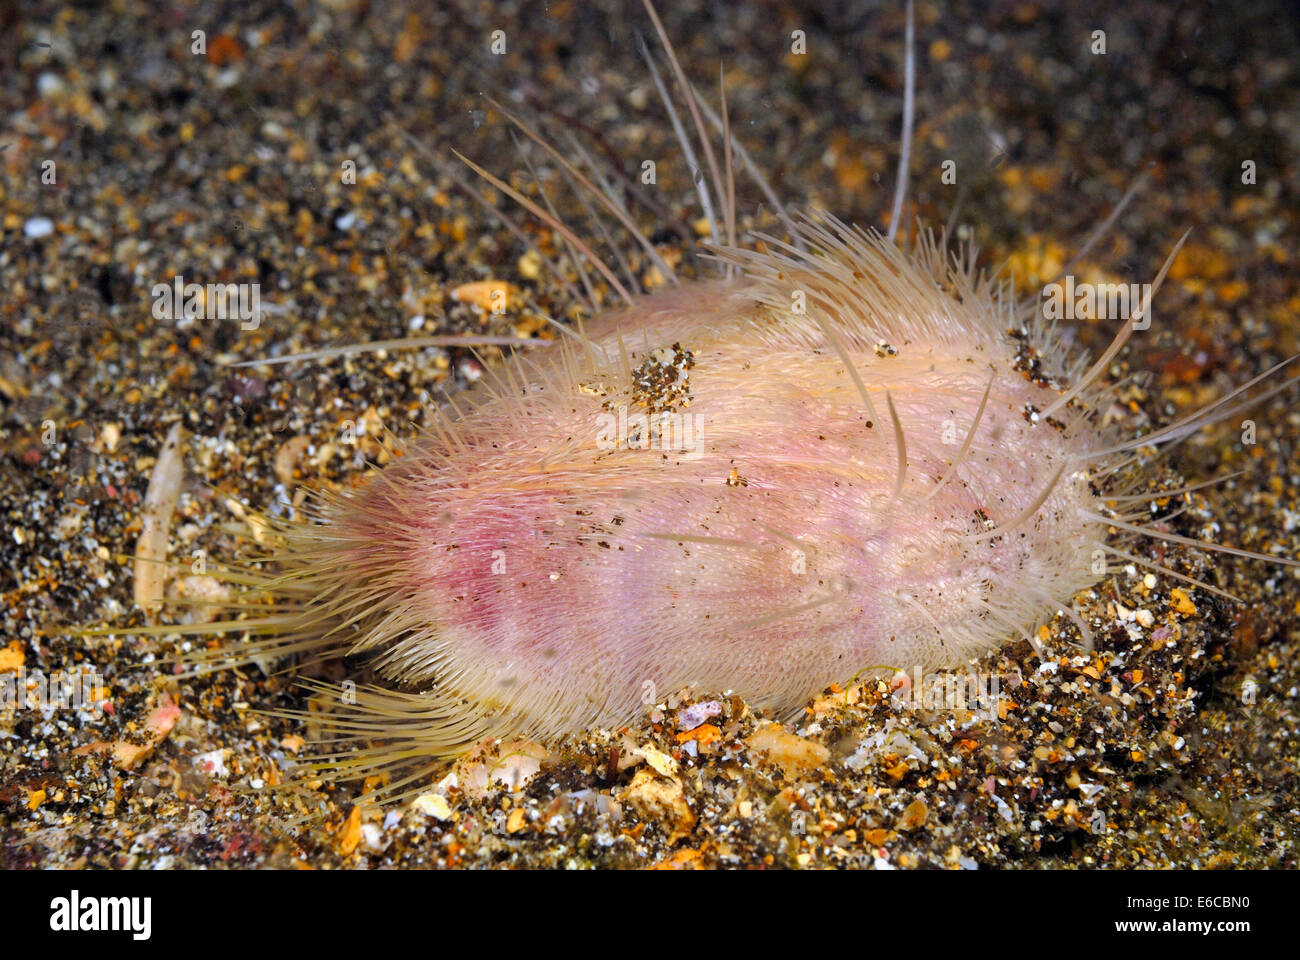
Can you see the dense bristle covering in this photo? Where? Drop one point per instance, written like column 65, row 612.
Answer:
column 763, row 485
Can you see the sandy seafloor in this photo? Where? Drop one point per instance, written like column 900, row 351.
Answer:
column 1172, row 743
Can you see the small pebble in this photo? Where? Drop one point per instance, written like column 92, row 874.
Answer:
column 38, row 227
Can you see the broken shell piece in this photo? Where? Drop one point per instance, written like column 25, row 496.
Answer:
column 156, row 520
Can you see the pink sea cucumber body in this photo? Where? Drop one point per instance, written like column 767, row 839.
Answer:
column 557, row 549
